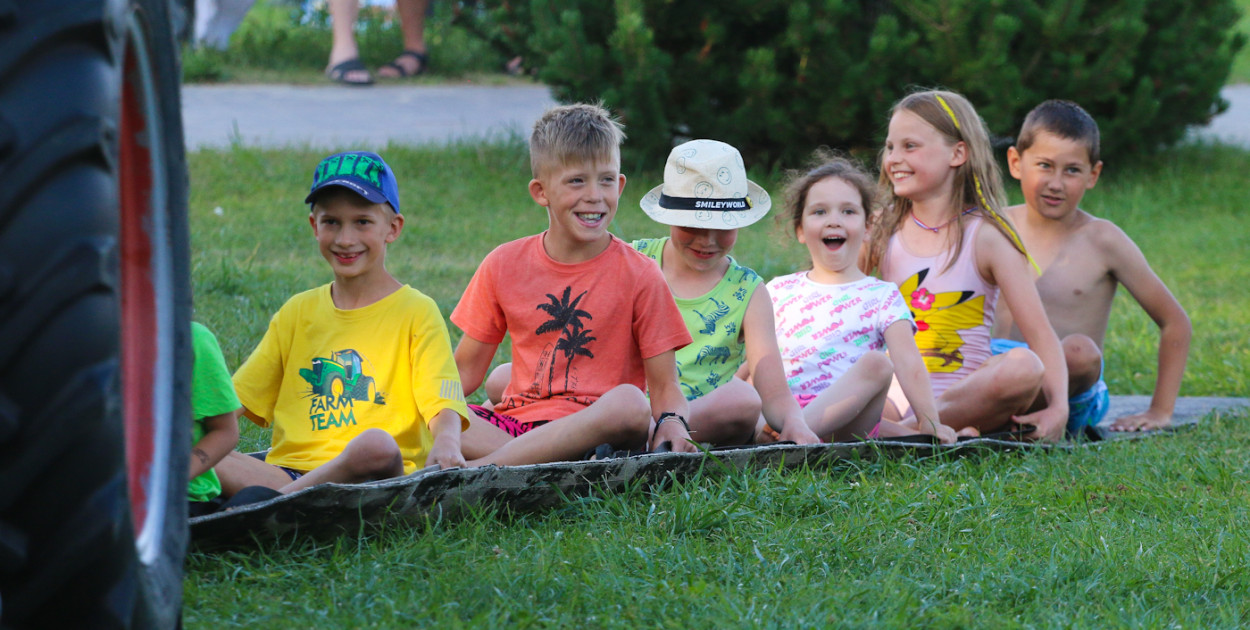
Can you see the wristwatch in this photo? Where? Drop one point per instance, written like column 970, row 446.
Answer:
column 669, row 416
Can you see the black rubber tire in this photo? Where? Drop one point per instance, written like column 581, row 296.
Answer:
column 364, row 386
column 92, row 520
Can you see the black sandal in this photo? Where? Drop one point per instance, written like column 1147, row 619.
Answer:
column 338, row 73
column 423, row 59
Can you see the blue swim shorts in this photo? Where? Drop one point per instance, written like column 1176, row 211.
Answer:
column 1086, row 409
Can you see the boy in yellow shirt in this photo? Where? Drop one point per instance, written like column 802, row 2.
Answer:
column 355, row 377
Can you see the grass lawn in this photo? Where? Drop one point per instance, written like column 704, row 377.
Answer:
column 1240, row 72
column 1143, row 534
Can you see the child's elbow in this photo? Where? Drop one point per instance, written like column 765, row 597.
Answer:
column 1183, row 327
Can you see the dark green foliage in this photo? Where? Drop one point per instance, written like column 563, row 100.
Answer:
column 779, row 77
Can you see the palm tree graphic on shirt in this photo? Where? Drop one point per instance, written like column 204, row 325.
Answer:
column 574, row 337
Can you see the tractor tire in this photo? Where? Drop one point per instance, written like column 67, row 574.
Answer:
column 364, row 389
column 95, row 351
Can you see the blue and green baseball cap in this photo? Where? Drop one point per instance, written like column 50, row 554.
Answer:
column 361, row 172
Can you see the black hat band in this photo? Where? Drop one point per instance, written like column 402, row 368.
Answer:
column 696, row 203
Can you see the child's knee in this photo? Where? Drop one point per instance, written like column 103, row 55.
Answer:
column 877, row 367
column 630, row 412
column 742, row 397
column 373, row 453
column 1083, row 357
column 497, row 382
column 1021, row 368
column 745, row 406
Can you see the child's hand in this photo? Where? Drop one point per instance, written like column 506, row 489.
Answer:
column 446, row 452
column 1148, row 420
column 677, row 437
column 945, row 434
column 1049, row 422
column 797, row 431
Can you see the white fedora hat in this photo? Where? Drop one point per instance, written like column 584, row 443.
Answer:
column 706, row 186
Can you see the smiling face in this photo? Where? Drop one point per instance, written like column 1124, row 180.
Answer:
column 581, row 201
column 919, row 161
column 701, row 249
column 832, row 227
column 1054, row 173
column 352, row 233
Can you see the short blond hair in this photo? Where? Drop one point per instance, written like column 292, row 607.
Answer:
column 569, row 134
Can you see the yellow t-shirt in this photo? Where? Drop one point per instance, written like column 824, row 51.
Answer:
column 322, row 375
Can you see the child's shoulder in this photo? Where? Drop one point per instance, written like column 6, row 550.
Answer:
column 310, row 298
column 742, row 274
column 1100, row 231
column 788, row 280
column 523, row 246
column 652, row 247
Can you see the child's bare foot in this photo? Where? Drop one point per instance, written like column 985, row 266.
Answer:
column 800, row 433
column 765, row 434
column 968, row 432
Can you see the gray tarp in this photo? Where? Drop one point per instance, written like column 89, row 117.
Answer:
column 337, row 509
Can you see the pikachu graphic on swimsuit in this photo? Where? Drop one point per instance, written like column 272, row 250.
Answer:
column 939, row 318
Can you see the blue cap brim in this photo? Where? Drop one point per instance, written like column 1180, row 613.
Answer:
column 368, row 192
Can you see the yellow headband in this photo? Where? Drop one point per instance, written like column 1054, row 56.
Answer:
column 1015, row 238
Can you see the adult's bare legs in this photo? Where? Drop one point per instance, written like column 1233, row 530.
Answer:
column 412, row 25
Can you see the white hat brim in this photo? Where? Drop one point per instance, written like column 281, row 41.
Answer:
column 708, row 219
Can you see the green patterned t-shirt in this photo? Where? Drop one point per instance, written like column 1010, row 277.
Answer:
column 714, row 321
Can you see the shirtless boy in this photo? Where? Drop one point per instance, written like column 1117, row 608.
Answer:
column 1083, row 259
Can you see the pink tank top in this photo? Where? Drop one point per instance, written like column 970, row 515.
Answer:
column 953, row 308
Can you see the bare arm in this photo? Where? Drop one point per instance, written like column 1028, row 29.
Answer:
column 445, row 426
column 666, row 396
column 763, row 363
column 1132, row 270
column 221, row 435
column 1010, row 270
column 914, row 379
column 473, row 358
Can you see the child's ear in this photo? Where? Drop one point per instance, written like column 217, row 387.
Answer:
column 539, row 192
column 959, row 154
column 1093, row 175
column 397, row 226
column 1013, row 162
column 312, row 220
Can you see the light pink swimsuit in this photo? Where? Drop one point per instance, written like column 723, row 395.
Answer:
column 953, row 308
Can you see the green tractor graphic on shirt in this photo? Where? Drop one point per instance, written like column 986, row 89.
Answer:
column 341, row 376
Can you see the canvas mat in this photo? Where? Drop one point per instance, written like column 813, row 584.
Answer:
column 331, row 509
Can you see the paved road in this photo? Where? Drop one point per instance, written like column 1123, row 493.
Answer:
column 1232, row 126
column 337, row 117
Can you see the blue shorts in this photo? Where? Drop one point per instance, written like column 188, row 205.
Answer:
column 1086, row 409
column 290, row 472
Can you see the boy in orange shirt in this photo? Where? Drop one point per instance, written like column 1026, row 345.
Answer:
column 592, row 321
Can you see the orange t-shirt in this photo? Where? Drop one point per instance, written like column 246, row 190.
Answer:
column 577, row 330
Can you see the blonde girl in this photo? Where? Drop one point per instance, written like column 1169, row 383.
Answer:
column 834, row 322
column 943, row 239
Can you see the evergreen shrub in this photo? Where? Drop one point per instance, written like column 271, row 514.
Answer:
column 779, row 77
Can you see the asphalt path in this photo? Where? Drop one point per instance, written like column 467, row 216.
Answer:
column 340, row 117
column 333, row 117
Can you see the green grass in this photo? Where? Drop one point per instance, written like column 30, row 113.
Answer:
column 1240, row 72
column 1146, row 534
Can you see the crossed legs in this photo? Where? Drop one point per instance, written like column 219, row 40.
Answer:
column 371, row 455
